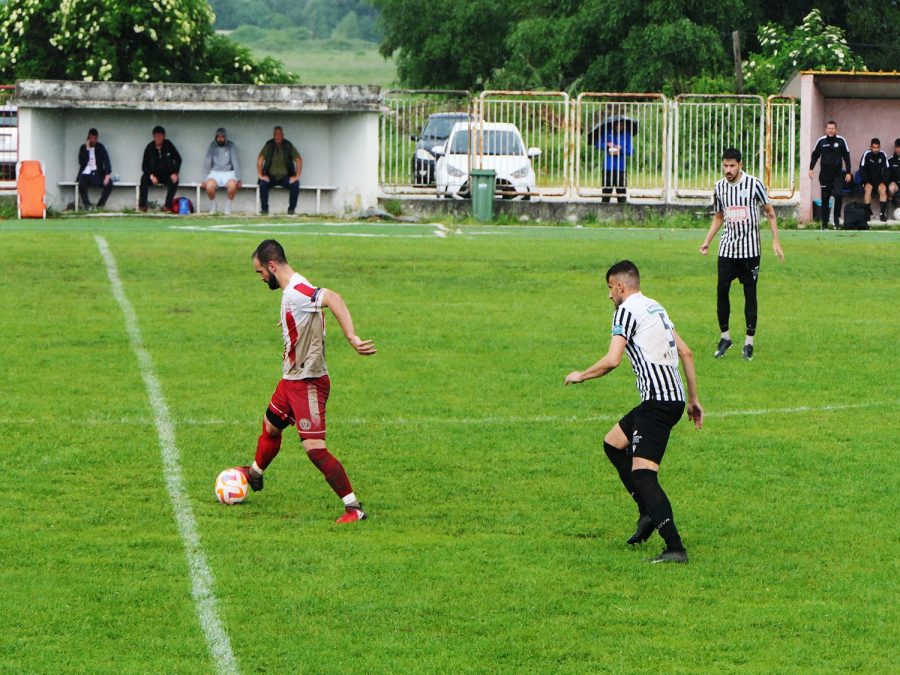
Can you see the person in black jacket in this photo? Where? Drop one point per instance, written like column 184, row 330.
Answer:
column 94, row 168
column 834, row 171
column 160, row 166
column 894, row 173
column 873, row 168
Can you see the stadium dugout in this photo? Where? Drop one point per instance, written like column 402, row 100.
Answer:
column 334, row 127
column 864, row 105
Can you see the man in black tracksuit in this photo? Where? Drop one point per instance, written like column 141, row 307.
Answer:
column 873, row 170
column 161, row 165
column 894, row 173
column 835, row 154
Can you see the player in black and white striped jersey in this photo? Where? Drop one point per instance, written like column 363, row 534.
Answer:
column 636, row 444
column 736, row 201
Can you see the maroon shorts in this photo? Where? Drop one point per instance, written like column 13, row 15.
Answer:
column 302, row 402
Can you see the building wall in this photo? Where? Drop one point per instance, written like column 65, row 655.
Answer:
column 812, row 111
column 860, row 120
column 55, row 135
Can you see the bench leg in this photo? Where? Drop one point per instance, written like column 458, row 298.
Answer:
column 318, row 200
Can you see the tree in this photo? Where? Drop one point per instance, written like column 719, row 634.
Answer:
column 157, row 41
column 812, row 45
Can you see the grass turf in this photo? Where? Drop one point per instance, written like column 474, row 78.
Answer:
column 496, row 529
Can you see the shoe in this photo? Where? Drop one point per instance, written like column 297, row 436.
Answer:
column 254, row 479
column 212, row 209
column 883, row 217
column 723, row 346
column 290, row 212
column 643, row 530
column 670, row 556
column 264, row 212
column 748, row 352
column 837, row 224
column 352, row 514
column 88, row 207
column 142, row 209
column 824, row 226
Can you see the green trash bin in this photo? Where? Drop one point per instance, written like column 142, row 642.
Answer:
column 483, row 183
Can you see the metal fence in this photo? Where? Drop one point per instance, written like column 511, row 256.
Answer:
column 782, row 141
column 412, row 123
column 671, row 149
column 9, row 136
column 704, row 125
column 621, row 131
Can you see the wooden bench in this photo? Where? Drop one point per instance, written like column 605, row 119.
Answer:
column 198, row 187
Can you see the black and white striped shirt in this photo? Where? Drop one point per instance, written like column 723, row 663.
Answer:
column 739, row 203
column 650, row 345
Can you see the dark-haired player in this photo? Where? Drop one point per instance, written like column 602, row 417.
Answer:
column 636, row 444
column 873, row 171
column 300, row 397
column 834, row 170
column 736, row 201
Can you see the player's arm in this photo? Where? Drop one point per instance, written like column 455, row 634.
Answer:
column 714, row 227
column 605, row 365
column 773, row 223
column 694, row 409
column 338, row 307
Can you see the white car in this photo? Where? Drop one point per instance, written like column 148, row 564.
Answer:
column 493, row 145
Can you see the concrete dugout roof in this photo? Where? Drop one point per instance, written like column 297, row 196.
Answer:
column 197, row 97
column 849, row 84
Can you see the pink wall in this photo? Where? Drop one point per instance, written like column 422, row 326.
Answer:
column 858, row 121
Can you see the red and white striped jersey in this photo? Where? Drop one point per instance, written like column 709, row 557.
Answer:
column 303, row 330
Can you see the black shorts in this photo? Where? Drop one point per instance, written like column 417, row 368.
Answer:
column 745, row 270
column 648, row 426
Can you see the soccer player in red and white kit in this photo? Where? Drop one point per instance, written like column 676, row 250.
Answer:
column 300, row 397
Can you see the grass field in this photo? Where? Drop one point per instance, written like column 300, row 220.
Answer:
column 495, row 542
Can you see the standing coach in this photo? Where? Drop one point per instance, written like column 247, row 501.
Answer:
column 736, row 201
column 835, row 156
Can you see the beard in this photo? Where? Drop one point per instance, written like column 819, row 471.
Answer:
column 221, row 144
column 272, row 282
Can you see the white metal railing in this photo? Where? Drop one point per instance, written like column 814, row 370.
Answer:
column 672, row 152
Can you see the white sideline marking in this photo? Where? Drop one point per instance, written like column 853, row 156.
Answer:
column 440, row 230
column 201, row 576
column 403, row 421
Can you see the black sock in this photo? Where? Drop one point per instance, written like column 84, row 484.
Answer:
column 646, row 483
column 883, row 208
column 622, row 462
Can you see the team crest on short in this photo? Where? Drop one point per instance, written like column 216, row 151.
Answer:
column 304, row 424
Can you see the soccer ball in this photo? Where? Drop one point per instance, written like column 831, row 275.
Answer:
column 897, row 213
column 231, row 486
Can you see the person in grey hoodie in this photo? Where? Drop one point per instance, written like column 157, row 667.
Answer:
column 221, row 169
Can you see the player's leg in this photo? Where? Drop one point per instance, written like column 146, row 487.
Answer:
column 837, row 189
column 171, row 189
column 276, row 419
column 825, row 185
column 615, row 445
column 653, row 424
column 210, row 187
column 867, row 193
column 882, row 198
column 107, row 190
column 749, row 279
column 308, row 401
column 726, row 274
column 293, row 195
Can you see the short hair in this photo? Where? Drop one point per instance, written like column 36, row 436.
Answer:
column 875, row 141
column 627, row 270
column 897, row 143
column 732, row 153
column 270, row 250
column 278, row 128
column 830, row 122
column 159, row 130
column 93, row 132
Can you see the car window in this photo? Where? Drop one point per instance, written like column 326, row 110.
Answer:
column 496, row 142
column 440, row 127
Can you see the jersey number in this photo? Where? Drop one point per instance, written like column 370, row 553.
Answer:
column 668, row 327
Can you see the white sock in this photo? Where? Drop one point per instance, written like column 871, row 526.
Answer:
column 212, row 206
column 255, row 468
column 726, row 335
column 350, row 500
column 749, row 340
column 228, row 206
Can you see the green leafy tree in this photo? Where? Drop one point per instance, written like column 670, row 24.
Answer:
column 812, row 45
column 157, row 41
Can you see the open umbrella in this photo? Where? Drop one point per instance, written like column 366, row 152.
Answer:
column 601, row 128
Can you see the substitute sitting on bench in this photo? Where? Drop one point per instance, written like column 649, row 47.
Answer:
column 279, row 163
